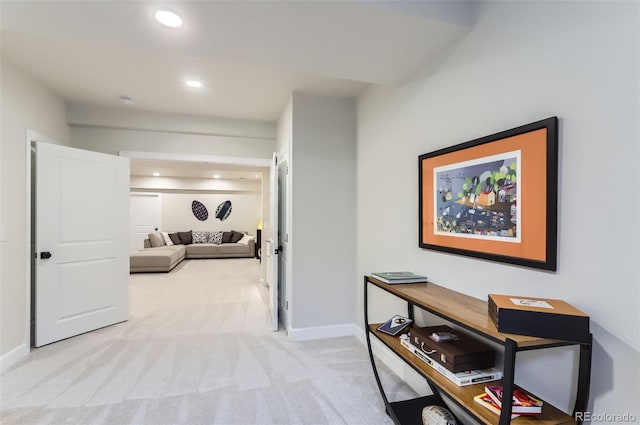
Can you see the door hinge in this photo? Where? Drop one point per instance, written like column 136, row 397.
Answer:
column 286, row 305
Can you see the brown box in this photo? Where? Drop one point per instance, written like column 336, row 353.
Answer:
column 541, row 317
column 465, row 353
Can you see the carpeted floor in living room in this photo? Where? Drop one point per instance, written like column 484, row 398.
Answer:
column 197, row 350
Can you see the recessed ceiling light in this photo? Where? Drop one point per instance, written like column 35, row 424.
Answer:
column 156, row 174
column 216, row 176
column 168, row 19
column 194, row 84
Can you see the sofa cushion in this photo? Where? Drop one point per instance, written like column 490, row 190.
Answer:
column 202, row 250
column 200, row 236
column 236, row 236
column 175, row 238
column 156, row 239
column 215, row 237
column 234, row 249
column 154, row 260
column 245, row 239
column 186, row 237
column 226, row 237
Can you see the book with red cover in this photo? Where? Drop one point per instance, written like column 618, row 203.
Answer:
column 486, row 401
column 523, row 403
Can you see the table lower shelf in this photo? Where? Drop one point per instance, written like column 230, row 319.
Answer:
column 409, row 412
column 463, row 396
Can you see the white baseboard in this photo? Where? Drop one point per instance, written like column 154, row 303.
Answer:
column 321, row 332
column 360, row 335
column 14, row 356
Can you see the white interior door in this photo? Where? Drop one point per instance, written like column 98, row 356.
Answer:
column 272, row 245
column 82, row 241
column 144, row 217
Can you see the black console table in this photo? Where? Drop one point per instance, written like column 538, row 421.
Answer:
column 472, row 315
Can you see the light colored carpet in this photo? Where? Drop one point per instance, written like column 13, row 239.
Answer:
column 197, row 350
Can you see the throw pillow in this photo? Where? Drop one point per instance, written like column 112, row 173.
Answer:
column 215, row 237
column 200, row 237
column 236, row 236
column 167, row 239
column 186, row 237
column 175, row 238
column 245, row 239
column 226, row 237
column 156, row 239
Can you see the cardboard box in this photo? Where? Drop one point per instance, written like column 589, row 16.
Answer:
column 465, row 353
column 541, row 317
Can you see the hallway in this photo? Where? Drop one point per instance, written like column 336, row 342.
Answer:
column 197, row 350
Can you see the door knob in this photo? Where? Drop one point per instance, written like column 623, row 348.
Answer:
column 45, row 255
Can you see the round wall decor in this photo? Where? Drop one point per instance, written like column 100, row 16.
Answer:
column 199, row 210
column 224, row 210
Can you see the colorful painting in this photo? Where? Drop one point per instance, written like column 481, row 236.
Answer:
column 478, row 198
column 494, row 197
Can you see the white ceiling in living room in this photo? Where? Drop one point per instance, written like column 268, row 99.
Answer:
column 250, row 54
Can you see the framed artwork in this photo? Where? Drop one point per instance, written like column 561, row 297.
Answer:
column 495, row 197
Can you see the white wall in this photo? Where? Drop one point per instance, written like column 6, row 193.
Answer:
column 26, row 104
column 126, row 118
column 110, row 130
column 176, row 215
column 177, row 194
column 112, row 140
column 323, row 188
column 525, row 61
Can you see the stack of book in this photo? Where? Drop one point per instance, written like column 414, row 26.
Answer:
column 467, row 377
column 523, row 402
column 399, row 277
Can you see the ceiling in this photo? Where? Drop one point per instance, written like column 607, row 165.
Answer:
column 250, row 55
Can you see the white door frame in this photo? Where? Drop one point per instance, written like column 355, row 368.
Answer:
column 31, row 136
column 245, row 161
column 283, row 159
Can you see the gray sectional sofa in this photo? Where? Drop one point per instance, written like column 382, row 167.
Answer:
column 164, row 258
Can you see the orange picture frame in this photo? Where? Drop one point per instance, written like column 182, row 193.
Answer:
column 495, row 197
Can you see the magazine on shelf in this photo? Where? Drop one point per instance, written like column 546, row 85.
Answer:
column 487, row 402
column 468, row 377
column 395, row 325
column 523, row 402
column 399, row 277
